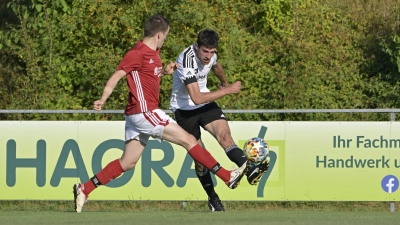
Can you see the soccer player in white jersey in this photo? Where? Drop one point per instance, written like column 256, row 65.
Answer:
column 143, row 69
column 194, row 107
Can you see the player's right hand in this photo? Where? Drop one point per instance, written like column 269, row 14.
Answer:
column 98, row 104
column 223, row 85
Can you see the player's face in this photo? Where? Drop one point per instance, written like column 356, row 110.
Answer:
column 204, row 54
column 162, row 37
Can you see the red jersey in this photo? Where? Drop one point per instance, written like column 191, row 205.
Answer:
column 143, row 70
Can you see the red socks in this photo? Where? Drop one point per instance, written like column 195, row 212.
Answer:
column 110, row 172
column 202, row 156
column 114, row 169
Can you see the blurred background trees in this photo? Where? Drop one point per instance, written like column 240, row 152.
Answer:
column 304, row 54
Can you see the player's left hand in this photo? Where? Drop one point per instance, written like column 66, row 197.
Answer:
column 235, row 87
column 170, row 68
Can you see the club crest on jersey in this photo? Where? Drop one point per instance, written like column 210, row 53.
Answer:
column 151, row 61
column 157, row 71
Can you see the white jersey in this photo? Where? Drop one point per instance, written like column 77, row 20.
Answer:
column 190, row 70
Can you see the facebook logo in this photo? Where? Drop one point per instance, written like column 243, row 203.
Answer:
column 390, row 183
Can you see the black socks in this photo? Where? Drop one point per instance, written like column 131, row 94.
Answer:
column 235, row 154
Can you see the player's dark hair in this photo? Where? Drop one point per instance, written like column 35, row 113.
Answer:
column 155, row 24
column 208, row 38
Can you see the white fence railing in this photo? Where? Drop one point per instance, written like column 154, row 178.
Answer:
column 392, row 112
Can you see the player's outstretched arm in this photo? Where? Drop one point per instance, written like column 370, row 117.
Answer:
column 108, row 89
column 203, row 97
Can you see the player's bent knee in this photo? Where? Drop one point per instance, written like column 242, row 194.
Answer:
column 127, row 166
column 188, row 140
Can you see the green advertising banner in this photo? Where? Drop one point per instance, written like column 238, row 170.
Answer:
column 310, row 161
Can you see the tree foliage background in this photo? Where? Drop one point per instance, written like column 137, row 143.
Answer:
column 288, row 54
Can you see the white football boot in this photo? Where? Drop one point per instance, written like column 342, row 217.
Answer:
column 236, row 176
column 79, row 198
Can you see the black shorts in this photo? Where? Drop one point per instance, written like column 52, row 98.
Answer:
column 191, row 120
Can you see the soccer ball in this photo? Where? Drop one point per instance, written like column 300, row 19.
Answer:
column 256, row 150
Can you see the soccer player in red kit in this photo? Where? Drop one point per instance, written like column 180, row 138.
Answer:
column 143, row 69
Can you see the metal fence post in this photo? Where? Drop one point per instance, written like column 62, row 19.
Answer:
column 392, row 205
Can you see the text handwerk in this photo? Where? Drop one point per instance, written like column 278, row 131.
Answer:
column 351, row 162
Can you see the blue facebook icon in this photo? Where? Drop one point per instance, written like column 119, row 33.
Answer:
column 390, row 183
